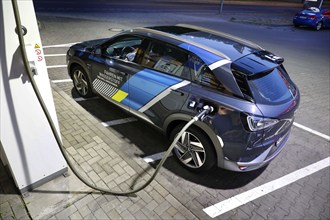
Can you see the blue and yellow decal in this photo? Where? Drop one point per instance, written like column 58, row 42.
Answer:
column 144, row 86
column 141, row 91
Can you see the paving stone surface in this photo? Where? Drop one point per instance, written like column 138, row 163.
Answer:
column 12, row 205
column 120, row 176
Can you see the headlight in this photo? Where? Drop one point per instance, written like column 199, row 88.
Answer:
column 258, row 123
column 70, row 52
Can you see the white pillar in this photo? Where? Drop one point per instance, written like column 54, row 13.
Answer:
column 28, row 146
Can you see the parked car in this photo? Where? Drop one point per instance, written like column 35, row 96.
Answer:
column 166, row 74
column 313, row 17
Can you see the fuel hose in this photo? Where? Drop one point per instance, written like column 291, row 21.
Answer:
column 200, row 115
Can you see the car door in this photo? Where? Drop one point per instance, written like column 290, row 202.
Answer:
column 113, row 64
column 162, row 86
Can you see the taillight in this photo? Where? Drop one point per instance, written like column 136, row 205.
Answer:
column 312, row 17
column 256, row 123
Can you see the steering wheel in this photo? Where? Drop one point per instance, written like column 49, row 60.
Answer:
column 125, row 51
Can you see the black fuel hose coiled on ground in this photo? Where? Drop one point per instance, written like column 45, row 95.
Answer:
column 200, row 115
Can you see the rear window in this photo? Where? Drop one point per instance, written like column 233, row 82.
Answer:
column 273, row 87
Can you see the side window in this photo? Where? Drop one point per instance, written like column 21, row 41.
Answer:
column 166, row 58
column 125, row 48
column 203, row 75
column 207, row 78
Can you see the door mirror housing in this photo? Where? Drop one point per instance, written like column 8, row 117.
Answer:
column 97, row 52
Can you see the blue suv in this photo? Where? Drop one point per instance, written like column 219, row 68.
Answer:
column 166, row 74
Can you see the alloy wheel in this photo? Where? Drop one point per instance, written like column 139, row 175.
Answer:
column 80, row 82
column 190, row 150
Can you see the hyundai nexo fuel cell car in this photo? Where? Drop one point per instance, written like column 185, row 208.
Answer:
column 166, row 74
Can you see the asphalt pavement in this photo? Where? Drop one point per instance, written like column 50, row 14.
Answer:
column 256, row 12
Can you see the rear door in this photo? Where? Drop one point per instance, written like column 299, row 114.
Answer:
column 162, row 86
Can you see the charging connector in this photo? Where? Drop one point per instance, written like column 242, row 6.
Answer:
column 206, row 110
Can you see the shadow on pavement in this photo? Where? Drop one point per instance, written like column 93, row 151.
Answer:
column 215, row 178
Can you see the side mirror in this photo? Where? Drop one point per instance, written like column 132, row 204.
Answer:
column 97, row 52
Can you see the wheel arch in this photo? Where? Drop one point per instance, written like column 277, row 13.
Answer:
column 176, row 119
column 78, row 63
column 74, row 63
column 71, row 67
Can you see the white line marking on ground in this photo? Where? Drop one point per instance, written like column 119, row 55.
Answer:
column 312, row 131
column 61, row 80
column 55, row 55
column 60, row 45
column 245, row 197
column 119, row 121
column 80, row 99
column 154, row 157
column 56, row 66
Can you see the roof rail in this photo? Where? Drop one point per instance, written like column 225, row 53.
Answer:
column 221, row 34
column 183, row 40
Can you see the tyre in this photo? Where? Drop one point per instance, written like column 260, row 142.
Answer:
column 318, row 26
column 194, row 150
column 296, row 25
column 81, row 82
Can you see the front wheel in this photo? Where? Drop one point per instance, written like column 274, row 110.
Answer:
column 81, row 82
column 194, row 150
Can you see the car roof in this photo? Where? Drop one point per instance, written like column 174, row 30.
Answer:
column 194, row 38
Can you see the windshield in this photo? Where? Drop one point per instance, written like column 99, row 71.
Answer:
column 273, row 88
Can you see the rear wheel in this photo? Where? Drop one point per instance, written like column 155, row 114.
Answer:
column 81, row 82
column 194, row 150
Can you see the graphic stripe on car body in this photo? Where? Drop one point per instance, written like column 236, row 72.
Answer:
column 218, row 64
column 163, row 94
column 104, row 88
column 145, row 85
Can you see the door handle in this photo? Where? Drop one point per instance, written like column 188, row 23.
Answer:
column 178, row 92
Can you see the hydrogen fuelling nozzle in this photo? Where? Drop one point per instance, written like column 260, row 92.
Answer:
column 207, row 109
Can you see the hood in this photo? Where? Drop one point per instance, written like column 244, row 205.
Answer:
column 89, row 45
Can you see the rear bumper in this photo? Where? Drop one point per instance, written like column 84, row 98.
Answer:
column 262, row 160
column 306, row 22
